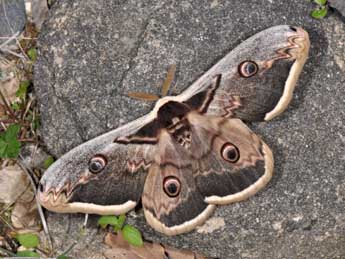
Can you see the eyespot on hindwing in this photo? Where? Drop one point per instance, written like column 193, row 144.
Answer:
column 171, row 186
column 230, row 153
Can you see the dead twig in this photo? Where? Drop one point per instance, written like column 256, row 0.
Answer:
column 28, row 171
column 8, row 252
column 7, row 106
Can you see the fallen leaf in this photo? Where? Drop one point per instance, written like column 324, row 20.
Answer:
column 15, row 188
column 9, row 83
column 13, row 183
column 120, row 249
column 24, row 214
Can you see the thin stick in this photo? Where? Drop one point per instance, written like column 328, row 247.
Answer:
column 23, row 38
column 85, row 221
column 8, row 224
column 7, row 105
column 13, row 37
column 7, row 252
column 39, row 207
column 27, row 107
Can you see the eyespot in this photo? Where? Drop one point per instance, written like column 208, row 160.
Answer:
column 230, row 153
column 248, row 68
column 172, row 186
column 97, row 164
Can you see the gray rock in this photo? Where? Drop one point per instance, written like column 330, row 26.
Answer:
column 339, row 5
column 93, row 53
column 12, row 17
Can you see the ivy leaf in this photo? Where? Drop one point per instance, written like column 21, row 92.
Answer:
column 121, row 220
column 62, row 257
column 27, row 253
column 32, row 53
column 28, row 240
column 320, row 2
column 132, row 235
column 23, row 87
column 319, row 13
column 9, row 145
column 104, row 221
column 49, row 160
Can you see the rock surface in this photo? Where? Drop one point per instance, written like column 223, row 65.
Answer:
column 92, row 53
column 339, row 5
column 12, row 17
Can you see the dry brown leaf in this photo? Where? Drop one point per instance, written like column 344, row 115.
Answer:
column 9, row 83
column 13, row 183
column 24, row 214
column 120, row 249
column 15, row 187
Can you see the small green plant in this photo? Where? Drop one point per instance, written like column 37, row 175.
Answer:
column 28, row 240
column 9, row 144
column 32, row 54
column 23, row 88
column 130, row 234
column 48, row 162
column 321, row 10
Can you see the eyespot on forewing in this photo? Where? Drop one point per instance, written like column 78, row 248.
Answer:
column 248, row 69
column 97, row 164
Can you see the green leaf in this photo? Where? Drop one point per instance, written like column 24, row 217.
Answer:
column 27, row 253
column 23, row 87
column 120, row 222
column 319, row 13
column 9, row 145
column 49, row 160
column 62, row 257
column 11, row 132
column 28, row 240
column 32, row 53
column 13, row 149
column 132, row 235
column 107, row 220
column 15, row 106
column 320, row 2
column 3, row 147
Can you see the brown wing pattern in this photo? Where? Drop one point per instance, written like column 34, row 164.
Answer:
column 192, row 162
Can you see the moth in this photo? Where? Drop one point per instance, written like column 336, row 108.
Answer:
column 193, row 151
